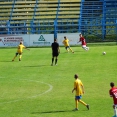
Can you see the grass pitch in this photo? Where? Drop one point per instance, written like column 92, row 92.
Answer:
column 33, row 88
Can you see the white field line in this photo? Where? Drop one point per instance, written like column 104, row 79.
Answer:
column 49, row 89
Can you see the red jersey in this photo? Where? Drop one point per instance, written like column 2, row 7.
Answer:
column 82, row 39
column 113, row 93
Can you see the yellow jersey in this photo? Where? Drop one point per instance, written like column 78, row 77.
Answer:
column 66, row 42
column 20, row 48
column 78, row 86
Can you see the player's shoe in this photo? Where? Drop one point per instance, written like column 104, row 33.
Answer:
column 72, row 52
column 87, row 106
column 55, row 64
column 19, row 59
column 12, row 60
column 87, row 48
column 115, row 116
column 75, row 109
column 52, row 64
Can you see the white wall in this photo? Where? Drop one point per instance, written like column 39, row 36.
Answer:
column 37, row 39
column 73, row 38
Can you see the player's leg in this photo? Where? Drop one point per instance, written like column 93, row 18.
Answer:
column 15, row 56
column 85, row 47
column 20, row 56
column 115, row 110
column 53, row 54
column 56, row 60
column 71, row 49
column 82, row 102
column 52, row 61
column 76, row 103
column 67, row 48
column 56, row 57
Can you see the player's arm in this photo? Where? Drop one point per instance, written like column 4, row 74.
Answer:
column 73, row 90
column 59, row 50
column 110, row 94
column 18, row 47
column 74, row 87
column 81, row 84
column 82, row 88
column 52, row 47
column 26, row 48
column 79, row 41
column 63, row 42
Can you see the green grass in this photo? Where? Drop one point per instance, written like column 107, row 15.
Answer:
column 33, row 88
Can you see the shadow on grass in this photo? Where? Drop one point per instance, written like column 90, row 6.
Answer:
column 78, row 51
column 71, row 52
column 46, row 112
column 6, row 61
column 37, row 66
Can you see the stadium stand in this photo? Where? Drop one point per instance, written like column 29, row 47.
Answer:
column 90, row 17
column 38, row 13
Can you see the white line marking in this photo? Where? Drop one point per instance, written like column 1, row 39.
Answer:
column 43, row 92
column 50, row 88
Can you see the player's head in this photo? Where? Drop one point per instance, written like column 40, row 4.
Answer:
column 65, row 37
column 21, row 42
column 55, row 40
column 75, row 76
column 80, row 35
column 112, row 84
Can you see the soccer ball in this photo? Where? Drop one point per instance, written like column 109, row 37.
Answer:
column 104, row 53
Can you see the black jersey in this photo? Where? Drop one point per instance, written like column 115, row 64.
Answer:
column 55, row 47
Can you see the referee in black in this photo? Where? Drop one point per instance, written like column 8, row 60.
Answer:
column 55, row 51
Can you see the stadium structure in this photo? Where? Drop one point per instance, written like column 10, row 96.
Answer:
column 96, row 19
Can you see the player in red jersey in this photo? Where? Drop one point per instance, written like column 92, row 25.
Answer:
column 83, row 41
column 113, row 94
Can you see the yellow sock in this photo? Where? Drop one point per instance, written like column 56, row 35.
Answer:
column 20, row 56
column 67, row 50
column 71, row 50
column 82, row 102
column 76, row 101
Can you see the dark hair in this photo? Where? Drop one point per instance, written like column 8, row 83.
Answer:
column 75, row 76
column 55, row 39
column 64, row 37
column 80, row 34
column 112, row 84
column 20, row 42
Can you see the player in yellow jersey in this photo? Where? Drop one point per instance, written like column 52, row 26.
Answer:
column 66, row 44
column 19, row 51
column 79, row 88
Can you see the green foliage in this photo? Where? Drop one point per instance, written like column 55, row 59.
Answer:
column 33, row 88
column 98, row 38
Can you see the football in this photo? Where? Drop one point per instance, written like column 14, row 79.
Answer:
column 104, row 53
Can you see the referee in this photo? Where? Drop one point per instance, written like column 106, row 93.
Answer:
column 55, row 51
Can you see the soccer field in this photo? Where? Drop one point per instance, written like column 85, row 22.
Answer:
column 34, row 88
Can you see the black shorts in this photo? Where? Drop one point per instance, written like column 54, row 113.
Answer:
column 55, row 54
column 67, row 47
column 18, row 53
